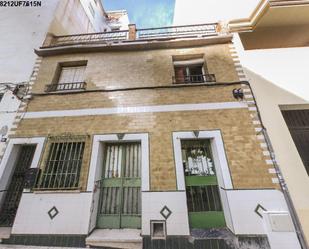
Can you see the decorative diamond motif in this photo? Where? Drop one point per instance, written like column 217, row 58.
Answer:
column 53, row 212
column 257, row 210
column 165, row 212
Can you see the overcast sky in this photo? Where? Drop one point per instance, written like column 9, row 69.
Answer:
column 287, row 68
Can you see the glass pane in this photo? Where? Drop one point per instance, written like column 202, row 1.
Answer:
column 197, row 158
column 72, row 74
column 122, row 160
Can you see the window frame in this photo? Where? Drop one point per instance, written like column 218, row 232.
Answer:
column 223, row 174
column 53, row 144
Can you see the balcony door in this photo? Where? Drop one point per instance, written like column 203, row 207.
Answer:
column 203, row 197
column 120, row 196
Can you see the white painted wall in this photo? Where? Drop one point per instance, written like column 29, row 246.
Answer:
column 22, row 29
column 153, row 202
column 284, row 238
column 242, row 204
column 73, row 218
column 98, row 20
column 269, row 98
column 8, row 108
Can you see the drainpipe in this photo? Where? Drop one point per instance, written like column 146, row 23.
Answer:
column 298, row 229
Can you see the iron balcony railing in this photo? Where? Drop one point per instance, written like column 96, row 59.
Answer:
column 199, row 30
column 66, row 86
column 201, row 78
column 171, row 32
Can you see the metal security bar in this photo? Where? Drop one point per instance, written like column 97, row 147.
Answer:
column 14, row 192
column 120, row 187
column 63, row 165
column 131, row 200
column 201, row 78
column 197, row 158
column 203, row 198
column 123, row 160
column 111, row 200
column 185, row 31
column 66, row 86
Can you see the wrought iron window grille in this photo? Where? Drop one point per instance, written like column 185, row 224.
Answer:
column 63, row 163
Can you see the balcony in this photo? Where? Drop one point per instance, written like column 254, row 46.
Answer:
column 66, row 87
column 133, row 34
column 193, row 79
column 274, row 24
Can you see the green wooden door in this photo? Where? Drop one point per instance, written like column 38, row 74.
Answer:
column 120, row 197
column 203, row 197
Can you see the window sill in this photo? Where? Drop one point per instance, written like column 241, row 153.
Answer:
column 55, row 191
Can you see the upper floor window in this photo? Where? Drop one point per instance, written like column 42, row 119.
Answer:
column 1, row 96
column 69, row 76
column 191, row 71
column 72, row 74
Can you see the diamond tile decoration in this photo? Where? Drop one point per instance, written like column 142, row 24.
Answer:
column 165, row 212
column 53, row 212
column 257, row 210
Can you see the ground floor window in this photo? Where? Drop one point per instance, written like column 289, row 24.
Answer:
column 63, row 162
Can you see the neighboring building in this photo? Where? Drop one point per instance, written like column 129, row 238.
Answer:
column 274, row 24
column 117, row 20
column 25, row 28
column 143, row 139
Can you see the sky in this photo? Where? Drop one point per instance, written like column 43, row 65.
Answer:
column 145, row 13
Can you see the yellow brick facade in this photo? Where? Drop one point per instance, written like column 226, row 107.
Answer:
column 110, row 70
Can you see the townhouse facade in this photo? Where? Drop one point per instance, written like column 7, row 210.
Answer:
column 143, row 138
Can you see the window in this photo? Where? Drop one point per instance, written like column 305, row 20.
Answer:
column 69, row 77
column 197, row 158
column 1, row 96
column 298, row 124
column 191, row 71
column 63, row 165
column 72, row 74
column 189, row 74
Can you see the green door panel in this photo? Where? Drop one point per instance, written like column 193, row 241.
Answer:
column 120, row 199
column 201, row 180
column 130, row 221
column 205, row 220
column 108, row 221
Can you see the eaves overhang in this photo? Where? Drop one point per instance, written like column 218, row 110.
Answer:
column 135, row 45
column 274, row 24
